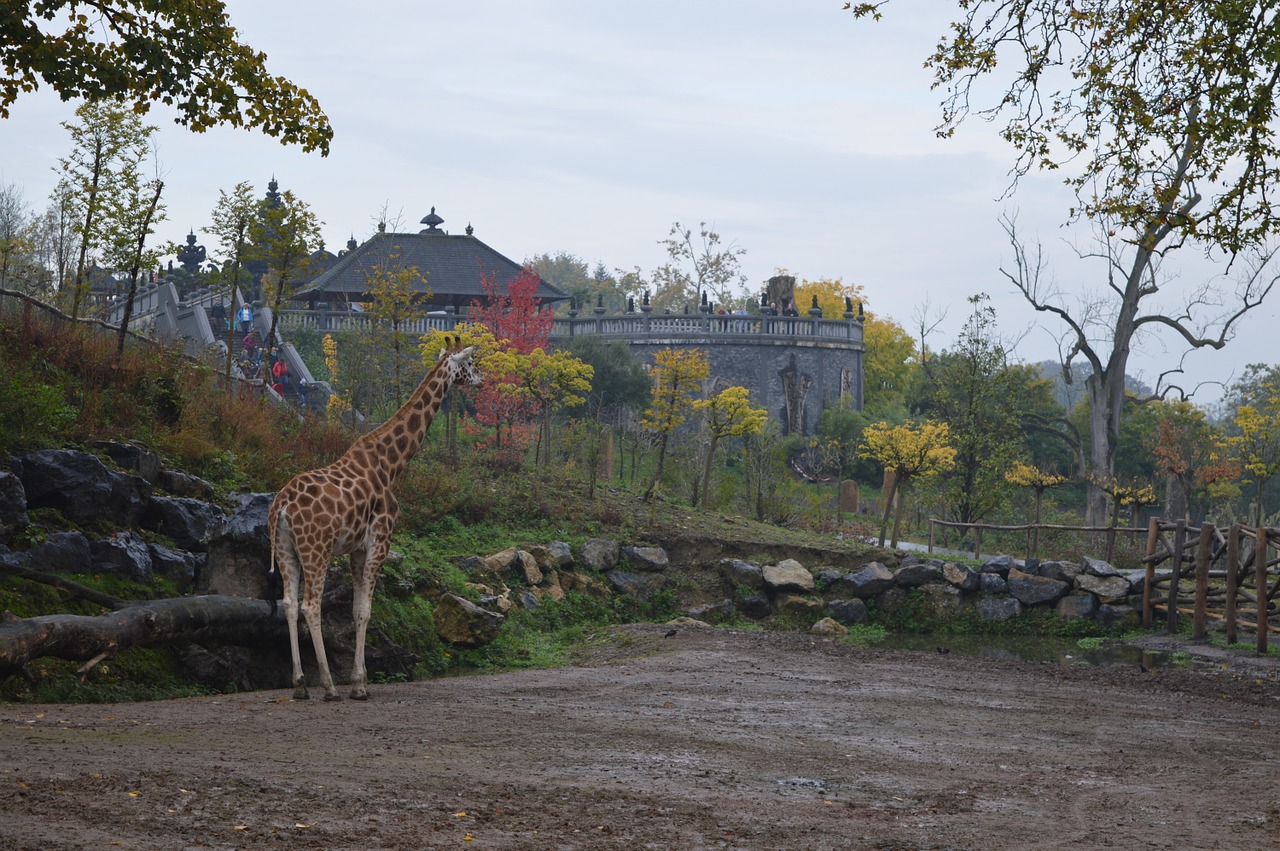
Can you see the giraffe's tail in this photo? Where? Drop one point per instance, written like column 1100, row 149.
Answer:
column 274, row 582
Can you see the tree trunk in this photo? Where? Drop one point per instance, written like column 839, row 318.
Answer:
column 83, row 638
column 133, row 272
column 888, row 507
column 706, row 470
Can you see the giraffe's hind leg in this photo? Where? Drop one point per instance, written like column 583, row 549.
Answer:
column 290, row 574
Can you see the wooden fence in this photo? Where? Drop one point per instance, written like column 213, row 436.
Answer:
column 1233, row 573
column 1032, row 531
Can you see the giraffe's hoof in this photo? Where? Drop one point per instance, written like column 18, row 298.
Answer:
column 332, row 697
column 359, row 694
column 300, row 693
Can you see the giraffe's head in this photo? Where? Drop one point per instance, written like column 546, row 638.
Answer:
column 459, row 364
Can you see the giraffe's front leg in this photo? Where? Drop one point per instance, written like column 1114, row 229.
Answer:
column 363, row 578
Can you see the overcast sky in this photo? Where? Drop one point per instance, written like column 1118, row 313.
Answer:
column 800, row 134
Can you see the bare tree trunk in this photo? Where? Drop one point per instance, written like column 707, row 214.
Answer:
column 133, row 272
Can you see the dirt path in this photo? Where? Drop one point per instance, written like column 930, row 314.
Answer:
column 704, row 739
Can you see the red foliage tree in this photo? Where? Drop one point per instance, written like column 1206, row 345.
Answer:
column 519, row 320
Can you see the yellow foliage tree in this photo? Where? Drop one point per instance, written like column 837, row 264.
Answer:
column 395, row 303
column 550, row 381
column 470, row 334
column 831, row 293
column 1257, row 445
column 338, row 405
column 1026, row 475
column 677, row 377
column 888, row 365
column 727, row 414
column 908, row 451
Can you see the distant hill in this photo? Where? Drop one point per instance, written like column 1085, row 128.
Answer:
column 1069, row 395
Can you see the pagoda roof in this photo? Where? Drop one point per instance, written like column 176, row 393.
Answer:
column 453, row 265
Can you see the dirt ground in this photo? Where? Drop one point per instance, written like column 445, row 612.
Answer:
column 701, row 739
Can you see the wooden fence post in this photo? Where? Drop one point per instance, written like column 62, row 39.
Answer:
column 1203, row 552
column 1233, row 579
column 1260, row 571
column 1179, row 544
column 1153, row 538
column 977, row 542
column 931, row 534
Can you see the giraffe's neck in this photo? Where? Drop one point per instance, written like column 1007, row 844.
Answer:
column 391, row 445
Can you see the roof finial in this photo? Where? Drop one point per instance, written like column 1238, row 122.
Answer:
column 432, row 221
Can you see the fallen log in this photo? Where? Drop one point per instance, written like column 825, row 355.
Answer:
column 215, row 618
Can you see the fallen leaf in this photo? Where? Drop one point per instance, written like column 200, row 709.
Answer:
column 301, row 826
column 460, row 815
column 134, row 794
column 241, row 827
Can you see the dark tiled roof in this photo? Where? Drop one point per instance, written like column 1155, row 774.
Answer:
column 452, row 265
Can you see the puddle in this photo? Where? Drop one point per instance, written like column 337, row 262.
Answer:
column 1055, row 651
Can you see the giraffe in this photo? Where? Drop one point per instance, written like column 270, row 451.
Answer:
column 348, row 507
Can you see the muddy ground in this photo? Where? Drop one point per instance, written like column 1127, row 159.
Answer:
column 701, row 739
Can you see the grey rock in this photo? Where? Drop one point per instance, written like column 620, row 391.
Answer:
column 848, row 611
column 239, row 554
column 638, row 585
column 647, row 559
column 795, row 604
column 1035, row 590
column 787, row 576
column 126, row 554
column 61, row 552
column 1098, row 567
column 961, row 576
column 755, row 605
column 997, row 564
column 81, row 487
column 133, row 459
column 464, row 624
column 601, row 554
column 1075, row 606
column 189, row 522
column 179, row 565
column 561, row 553
column 991, row 584
column 1108, row 589
column 737, row 572
column 914, row 575
column 13, row 506
column 827, row 577
column 829, row 628
column 998, row 608
column 1062, row 571
column 866, row 583
column 185, row 485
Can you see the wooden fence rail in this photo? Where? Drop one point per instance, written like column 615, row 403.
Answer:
column 1029, row 529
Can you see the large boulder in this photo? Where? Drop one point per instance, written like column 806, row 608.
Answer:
column 1062, row 571
column 998, row 564
column 647, row 559
column 991, row 584
column 1108, row 589
column 81, row 487
column 914, row 575
column 179, row 565
column 943, row 600
column 1076, row 606
column 1035, row 590
column 239, row 554
column 787, row 576
column 741, row 573
column 13, row 506
column 866, row 583
column 185, row 485
column 848, row 611
column 998, row 608
column 133, row 459
column 61, row 552
column 754, row 604
column 464, row 624
column 601, row 554
column 125, row 554
column 962, row 577
column 638, row 585
column 189, row 522
column 1098, row 567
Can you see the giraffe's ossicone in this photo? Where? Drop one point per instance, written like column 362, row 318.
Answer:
column 349, row 508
